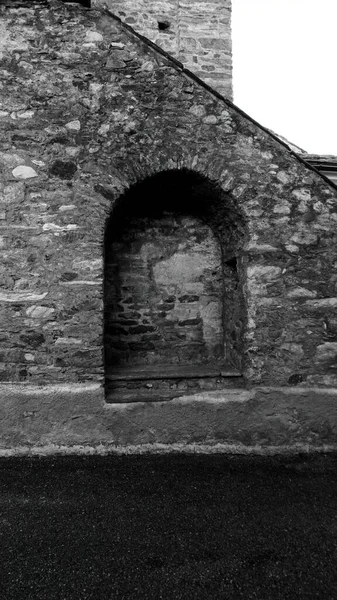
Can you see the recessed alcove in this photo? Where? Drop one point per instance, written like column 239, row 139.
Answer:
column 174, row 307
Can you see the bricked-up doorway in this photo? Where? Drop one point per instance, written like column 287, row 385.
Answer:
column 174, row 306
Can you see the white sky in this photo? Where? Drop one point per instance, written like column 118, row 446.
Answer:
column 285, row 68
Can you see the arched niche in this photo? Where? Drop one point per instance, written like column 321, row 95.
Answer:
column 173, row 292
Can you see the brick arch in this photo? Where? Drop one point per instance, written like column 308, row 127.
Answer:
column 211, row 166
column 158, row 215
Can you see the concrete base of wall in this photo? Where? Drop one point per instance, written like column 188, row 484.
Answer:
column 74, row 418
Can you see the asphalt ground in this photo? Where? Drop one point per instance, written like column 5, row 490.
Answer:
column 168, row 527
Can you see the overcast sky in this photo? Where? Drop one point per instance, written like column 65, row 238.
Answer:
column 285, row 71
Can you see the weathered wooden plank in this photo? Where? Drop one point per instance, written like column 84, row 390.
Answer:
column 144, row 372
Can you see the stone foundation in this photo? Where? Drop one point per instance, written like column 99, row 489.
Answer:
column 269, row 420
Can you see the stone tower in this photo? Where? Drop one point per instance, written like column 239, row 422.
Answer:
column 196, row 32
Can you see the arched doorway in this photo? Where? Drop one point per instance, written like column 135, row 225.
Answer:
column 174, row 308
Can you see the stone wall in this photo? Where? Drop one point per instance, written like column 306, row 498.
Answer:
column 167, row 266
column 198, row 33
column 87, row 112
column 164, row 293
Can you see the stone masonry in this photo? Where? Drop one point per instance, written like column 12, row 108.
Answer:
column 165, row 293
column 89, row 115
column 196, row 32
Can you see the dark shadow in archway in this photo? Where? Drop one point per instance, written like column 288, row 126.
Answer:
column 174, row 306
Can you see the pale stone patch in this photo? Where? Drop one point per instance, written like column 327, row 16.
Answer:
column 23, row 172
column 198, row 110
column 318, row 206
column 182, row 312
column 29, row 357
column 21, row 296
column 54, row 227
column 258, row 276
column 33, row 195
column 267, row 155
column 72, row 150
column 253, row 211
column 263, row 272
column 13, row 193
column 118, row 116
column 226, row 115
column 39, row 163
column 131, row 126
column 26, row 65
column 39, row 312
column 147, row 66
column 73, row 125
column 292, row 248
column 93, row 36
column 326, row 351
column 3, row 113
column 27, row 114
column 65, row 207
column 51, row 388
column 214, row 397
column 41, row 206
column 283, row 177
column 210, row 119
column 119, row 45
column 2, row 241
column 282, row 207
column 322, row 379
column 104, row 129
column 68, row 341
column 9, row 43
column 331, row 202
column 239, row 190
column 181, row 268
column 260, row 248
column 302, row 195
column 301, row 292
column 323, row 223
column 11, row 160
column 304, row 238
column 95, row 88
column 88, row 265
column 21, row 284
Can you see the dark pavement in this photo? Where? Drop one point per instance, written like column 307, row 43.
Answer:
column 168, row 527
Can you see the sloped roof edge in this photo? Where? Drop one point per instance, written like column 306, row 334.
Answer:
column 326, row 161
column 291, row 145
column 180, row 67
